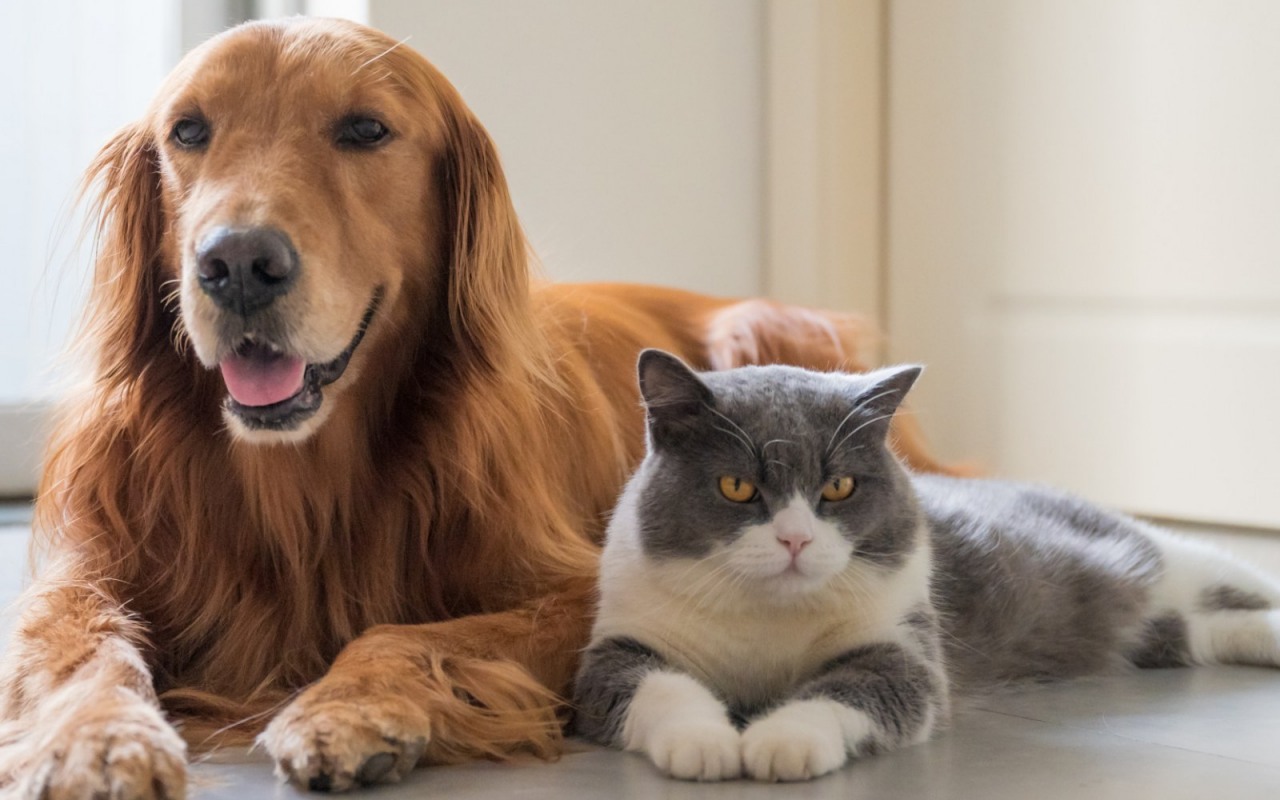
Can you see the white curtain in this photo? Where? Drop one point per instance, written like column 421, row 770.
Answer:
column 73, row 72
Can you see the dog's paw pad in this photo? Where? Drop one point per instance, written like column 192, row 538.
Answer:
column 335, row 746
column 133, row 755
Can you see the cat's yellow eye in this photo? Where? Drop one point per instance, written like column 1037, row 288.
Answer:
column 838, row 489
column 737, row 490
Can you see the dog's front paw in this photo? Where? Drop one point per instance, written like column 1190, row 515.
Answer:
column 697, row 750
column 795, row 743
column 381, row 710
column 117, row 749
column 328, row 740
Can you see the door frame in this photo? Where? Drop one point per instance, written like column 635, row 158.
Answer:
column 825, row 154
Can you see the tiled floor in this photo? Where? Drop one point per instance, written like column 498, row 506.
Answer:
column 1195, row 734
column 1210, row 734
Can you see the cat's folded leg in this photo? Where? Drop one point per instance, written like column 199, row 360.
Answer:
column 873, row 698
column 628, row 696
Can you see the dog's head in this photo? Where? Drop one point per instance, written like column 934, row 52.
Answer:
column 300, row 197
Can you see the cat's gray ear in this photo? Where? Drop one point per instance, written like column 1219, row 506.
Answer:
column 672, row 392
column 879, row 393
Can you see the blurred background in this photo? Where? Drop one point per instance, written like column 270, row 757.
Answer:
column 1068, row 209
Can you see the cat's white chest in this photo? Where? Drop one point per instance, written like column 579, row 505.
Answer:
column 753, row 660
column 751, row 650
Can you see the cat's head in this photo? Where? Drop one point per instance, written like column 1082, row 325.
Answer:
column 780, row 476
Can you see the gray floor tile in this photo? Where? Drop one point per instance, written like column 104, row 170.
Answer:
column 1229, row 712
column 1125, row 737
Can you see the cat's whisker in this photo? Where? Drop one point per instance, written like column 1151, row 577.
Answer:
column 840, row 427
column 854, row 432
column 686, row 594
column 860, row 405
column 699, row 564
column 700, row 602
column 738, row 580
column 727, row 576
column 692, row 593
column 858, row 589
column 738, row 438
column 741, row 435
column 858, row 579
column 712, row 575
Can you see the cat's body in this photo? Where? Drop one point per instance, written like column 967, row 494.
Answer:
column 781, row 630
column 1034, row 583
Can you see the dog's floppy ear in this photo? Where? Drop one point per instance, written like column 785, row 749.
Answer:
column 126, row 319
column 488, row 282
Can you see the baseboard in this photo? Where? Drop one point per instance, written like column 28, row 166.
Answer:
column 23, row 432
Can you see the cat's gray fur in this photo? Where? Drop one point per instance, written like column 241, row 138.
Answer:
column 938, row 585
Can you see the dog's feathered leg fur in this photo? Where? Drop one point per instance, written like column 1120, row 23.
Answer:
column 481, row 686
column 80, row 710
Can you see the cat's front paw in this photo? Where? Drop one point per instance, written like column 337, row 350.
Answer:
column 697, row 750
column 795, row 743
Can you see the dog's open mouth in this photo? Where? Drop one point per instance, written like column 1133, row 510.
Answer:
column 270, row 389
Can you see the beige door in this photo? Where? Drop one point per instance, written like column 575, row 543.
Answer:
column 1083, row 243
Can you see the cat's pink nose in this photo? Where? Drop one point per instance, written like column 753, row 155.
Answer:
column 795, row 541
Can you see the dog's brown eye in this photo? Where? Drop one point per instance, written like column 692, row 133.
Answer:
column 361, row 132
column 191, row 133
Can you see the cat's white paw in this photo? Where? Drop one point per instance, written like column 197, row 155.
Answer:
column 697, row 750
column 795, row 743
column 683, row 728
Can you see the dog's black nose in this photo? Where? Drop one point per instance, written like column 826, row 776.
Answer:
column 245, row 269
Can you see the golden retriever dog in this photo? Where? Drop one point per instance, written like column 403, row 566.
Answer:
column 339, row 477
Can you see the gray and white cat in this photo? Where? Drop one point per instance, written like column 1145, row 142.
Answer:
column 778, row 594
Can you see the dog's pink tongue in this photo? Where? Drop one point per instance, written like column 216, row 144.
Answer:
column 259, row 380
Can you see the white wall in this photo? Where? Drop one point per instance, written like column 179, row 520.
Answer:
column 1084, row 243
column 824, row 153
column 73, row 71
column 632, row 133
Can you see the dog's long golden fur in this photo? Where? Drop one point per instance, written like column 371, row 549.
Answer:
column 406, row 576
